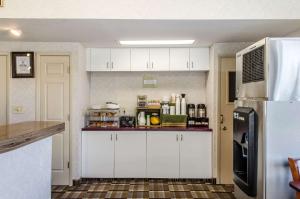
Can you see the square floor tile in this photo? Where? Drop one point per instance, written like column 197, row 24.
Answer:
column 179, row 187
column 94, row 195
column 158, row 187
column 181, row 194
column 99, row 188
column 119, row 187
column 159, row 194
column 138, row 194
column 117, row 194
column 203, row 194
column 138, row 187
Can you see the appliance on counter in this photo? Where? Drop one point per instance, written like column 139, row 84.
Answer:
column 199, row 119
column 127, row 121
column 103, row 118
column 201, row 111
column 266, row 118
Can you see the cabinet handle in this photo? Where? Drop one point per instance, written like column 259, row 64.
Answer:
column 152, row 64
column 107, row 64
column 147, row 65
column 187, row 64
column 181, row 137
column 116, row 137
column 112, row 64
column 111, row 136
column 192, row 64
column 177, row 137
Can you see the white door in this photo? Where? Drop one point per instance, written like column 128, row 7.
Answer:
column 179, row 59
column 97, row 154
column 120, row 59
column 100, row 59
column 196, row 155
column 162, row 154
column 199, row 59
column 160, row 59
column 227, row 97
column 55, row 106
column 3, row 79
column 140, row 59
column 130, row 154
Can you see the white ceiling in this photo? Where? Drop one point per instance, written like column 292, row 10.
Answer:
column 107, row 33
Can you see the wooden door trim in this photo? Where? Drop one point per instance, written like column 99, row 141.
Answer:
column 7, row 80
column 37, row 60
column 218, row 112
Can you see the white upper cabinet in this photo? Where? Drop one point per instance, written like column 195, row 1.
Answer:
column 140, row 59
column 147, row 59
column 100, row 59
column 120, row 59
column 160, row 59
column 199, row 59
column 179, row 59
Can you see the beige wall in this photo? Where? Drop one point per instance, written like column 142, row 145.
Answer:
column 123, row 87
column 152, row 9
column 294, row 34
column 22, row 92
column 216, row 51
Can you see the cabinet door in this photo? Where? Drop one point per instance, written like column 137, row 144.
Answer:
column 140, row 59
column 97, row 154
column 130, row 154
column 100, row 59
column 159, row 59
column 88, row 59
column 199, row 59
column 179, row 59
column 120, row 59
column 196, row 155
column 162, row 154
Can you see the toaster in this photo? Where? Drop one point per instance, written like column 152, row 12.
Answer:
column 127, row 122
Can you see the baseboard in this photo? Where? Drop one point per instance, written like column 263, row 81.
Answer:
column 199, row 180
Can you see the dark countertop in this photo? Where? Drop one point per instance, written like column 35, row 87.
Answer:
column 13, row 136
column 147, row 129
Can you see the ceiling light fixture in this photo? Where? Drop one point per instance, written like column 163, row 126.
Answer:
column 15, row 32
column 157, row 42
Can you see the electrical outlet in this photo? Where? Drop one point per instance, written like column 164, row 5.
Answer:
column 18, row 109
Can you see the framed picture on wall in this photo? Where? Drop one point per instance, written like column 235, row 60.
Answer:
column 22, row 64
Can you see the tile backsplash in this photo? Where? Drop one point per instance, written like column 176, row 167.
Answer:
column 123, row 87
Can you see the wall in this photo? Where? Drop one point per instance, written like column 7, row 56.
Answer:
column 123, row 87
column 217, row 51
column 23, row 91
column 294, row 34
column 151, row 9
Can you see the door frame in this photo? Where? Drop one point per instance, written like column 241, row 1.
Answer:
column 38, row 56
column 8, row 75
column 218, row 130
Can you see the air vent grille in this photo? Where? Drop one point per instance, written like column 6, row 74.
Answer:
column 253, row 66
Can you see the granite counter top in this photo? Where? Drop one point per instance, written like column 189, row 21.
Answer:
column 13, row 136
column 147, row 129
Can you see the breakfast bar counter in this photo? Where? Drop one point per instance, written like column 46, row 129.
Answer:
column 26, row 159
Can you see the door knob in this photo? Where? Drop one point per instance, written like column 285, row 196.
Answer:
column 224, row 128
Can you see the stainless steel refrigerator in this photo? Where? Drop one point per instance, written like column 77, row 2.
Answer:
column 266, row 119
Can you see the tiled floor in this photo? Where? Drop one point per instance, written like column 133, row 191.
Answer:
column 143, row 189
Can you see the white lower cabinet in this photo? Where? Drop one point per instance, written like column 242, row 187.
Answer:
column 130, row 154
column 97, row 154
column 195, row 155
column 162, row 154
column 140, row 154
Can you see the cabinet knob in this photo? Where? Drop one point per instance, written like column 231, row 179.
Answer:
column 181, row 137
column 177, row 137
column 111, row 137
column 187, row 64
column 116, row 137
